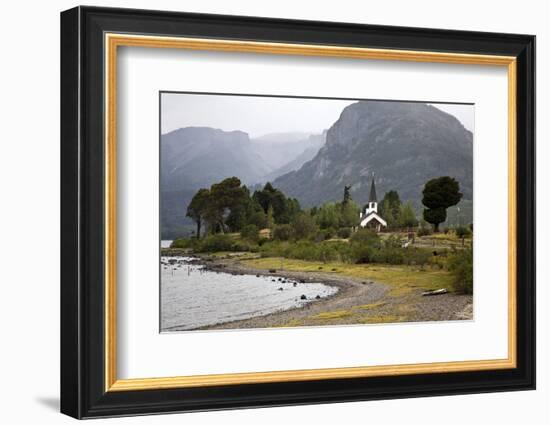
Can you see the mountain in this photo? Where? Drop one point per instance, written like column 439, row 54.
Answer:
column 195, row 157
column 299, row 153
column 403, row 144
column 282, row 138
column 277, row 149
column 174, row 222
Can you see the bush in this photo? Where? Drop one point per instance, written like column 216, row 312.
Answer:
column 418, row 256
column 393, row 241
column 344, row 232
column 183, row 243
column 362, row 253
column 334, row 251
column 244, row 245
column 250, row 232
column 262, row 240
column 305, row 250
column 463, row 232
column 218, row 242
column 461, row 266
column 325, row 234
column 308, row 250
column 424, row 231
column 274, row 249
column 304, row 226
column 283, row 232
column 366, row 237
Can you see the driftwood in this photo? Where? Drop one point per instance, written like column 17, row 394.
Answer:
column 435, row 292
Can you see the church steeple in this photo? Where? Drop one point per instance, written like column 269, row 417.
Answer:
column 372, row 196
column 368, row 217
column 372, row 205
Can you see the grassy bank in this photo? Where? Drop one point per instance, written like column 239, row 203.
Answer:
column 402, row 279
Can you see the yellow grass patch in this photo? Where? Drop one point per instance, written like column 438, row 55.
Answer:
column 401, row 279
column 370, row 306
column 380, row 319
column 337, row 314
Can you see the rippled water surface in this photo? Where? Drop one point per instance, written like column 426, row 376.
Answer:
column 192, row 297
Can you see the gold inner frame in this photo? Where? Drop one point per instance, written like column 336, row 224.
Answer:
column 113, row 41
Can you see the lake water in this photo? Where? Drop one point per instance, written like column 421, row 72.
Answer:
column 165, row 243
column 192, row 297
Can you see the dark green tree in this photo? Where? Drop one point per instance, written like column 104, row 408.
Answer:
column 197, row 208
column 438, row 195
column 347, row 195
column 390, row 207
column 247, row 211
column 250, row 232
column 328, row 216
column 303, row 226
column 349, row 215
column 349, row 210
column 407, row 216
column 284, row 209
column 226, row 196
column 283, row 232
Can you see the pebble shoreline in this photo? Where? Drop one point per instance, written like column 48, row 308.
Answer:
column 351, row 293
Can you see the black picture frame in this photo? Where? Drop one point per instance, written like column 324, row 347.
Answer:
column 83, row 392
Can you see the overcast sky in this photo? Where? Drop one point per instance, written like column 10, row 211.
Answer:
column 257, row 115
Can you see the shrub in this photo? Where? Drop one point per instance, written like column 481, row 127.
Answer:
column 366, row 237
column 424, row 231
column 303, row 226
column 344, row 232
column 262, row 240
column 362, row 253
column 418, row 256
column 244, row 245
column 283, row 232
column 335, row 251
column 213, row 243
column 274, row 249
column 390, row 255
column 463, row 232
column 461, row 266
column 305, row 250
column 250, row 232
column 324, row 234
column 393, row 241
column 183, row 243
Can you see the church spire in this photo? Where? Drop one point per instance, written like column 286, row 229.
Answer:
column 372, row 196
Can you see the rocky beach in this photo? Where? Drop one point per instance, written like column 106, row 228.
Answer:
column 356, row 301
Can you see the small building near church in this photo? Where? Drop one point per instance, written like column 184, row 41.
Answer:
column 368, row 217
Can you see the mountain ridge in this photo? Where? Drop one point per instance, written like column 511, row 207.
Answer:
column 403, row 144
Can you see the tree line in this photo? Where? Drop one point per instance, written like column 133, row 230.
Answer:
column 228, row 206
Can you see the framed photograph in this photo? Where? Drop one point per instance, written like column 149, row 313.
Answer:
column 261, row 212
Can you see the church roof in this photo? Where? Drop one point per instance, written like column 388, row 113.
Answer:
column 372, row 196
column 373, row 216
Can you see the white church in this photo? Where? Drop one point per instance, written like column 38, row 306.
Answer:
column 368, row 217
